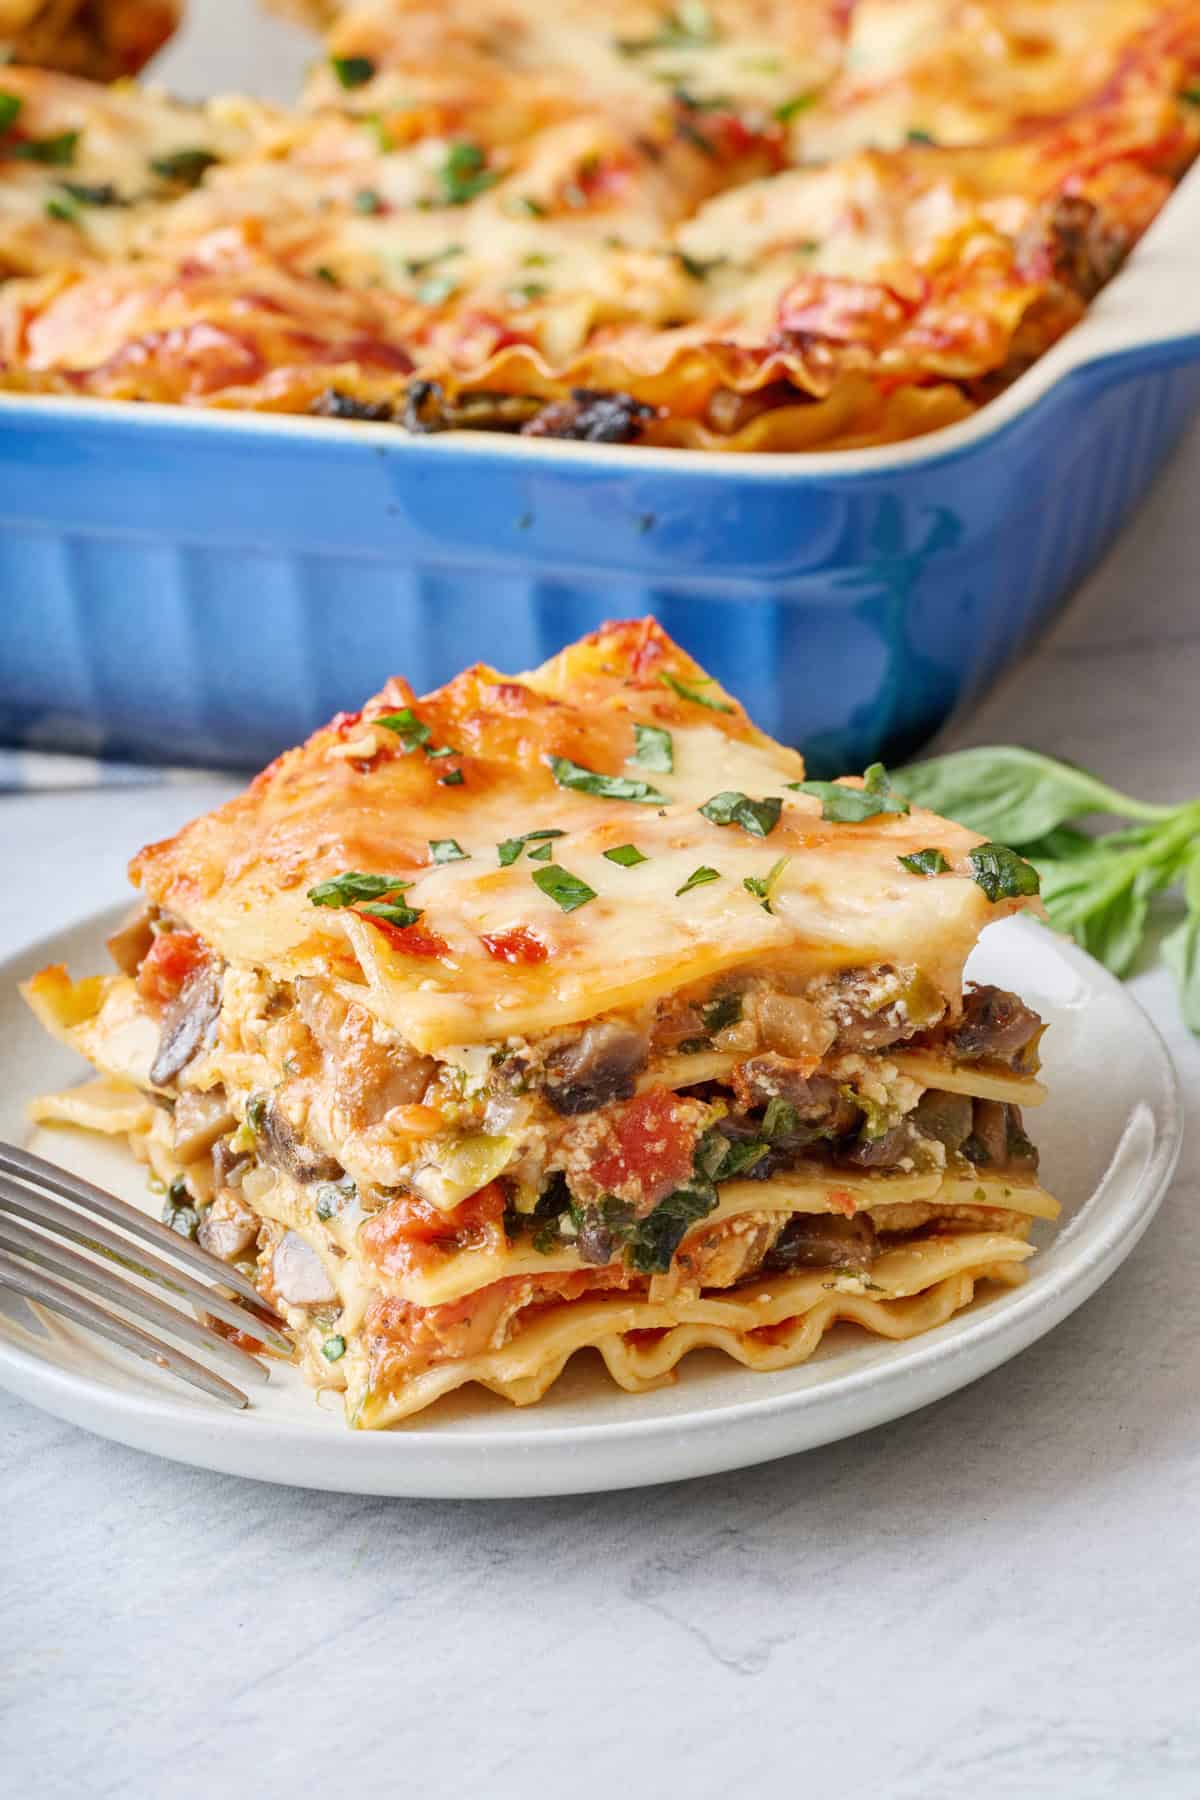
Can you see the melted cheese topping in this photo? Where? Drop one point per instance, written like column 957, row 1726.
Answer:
column 354, row 798
column 771, row 224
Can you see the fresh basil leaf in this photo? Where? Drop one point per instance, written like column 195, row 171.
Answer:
column 452, row 778
column 690, row 691
column 758, row 817
column 511, row 848
column 698, row 878
column 763, row 886
column 1001, row 873
column 186, row 167
column 447, row 850
column 924, row 862
column 1181, row 949
column 391, row 915
column 569, row 774
column 654, row 749
column 411, row 731
column 464, row 174
column 844, row 805
column 10, row 107
column 541, row 853
column 345, row 890
column 566, row 890
column 352, row 71
column 1014, row 795
column 657, row 1237
column 627, row 855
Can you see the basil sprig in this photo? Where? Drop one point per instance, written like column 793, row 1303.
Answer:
column 844, row 805
column 572, row 775
column 352, row 886
column 758, row 817
column 1098, row 887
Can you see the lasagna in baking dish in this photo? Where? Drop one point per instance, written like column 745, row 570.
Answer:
column 561, row 1011
column 740, row 225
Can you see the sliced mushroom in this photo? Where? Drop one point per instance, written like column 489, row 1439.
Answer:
column 299, row 1274
column 200, row 1119
column 601, row 1065
column 281, row 1145
column 814, row 1241
column 228, row 1228
column 188, row 1023
column 995, row 1025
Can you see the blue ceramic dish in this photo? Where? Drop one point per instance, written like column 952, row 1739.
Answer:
column 208, row 587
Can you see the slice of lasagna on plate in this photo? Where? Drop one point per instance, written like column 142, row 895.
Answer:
column 558, row 1011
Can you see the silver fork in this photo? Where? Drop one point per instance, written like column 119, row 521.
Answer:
column 35, row 1262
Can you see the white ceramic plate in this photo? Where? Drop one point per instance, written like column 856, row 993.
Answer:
column 1109, row 1135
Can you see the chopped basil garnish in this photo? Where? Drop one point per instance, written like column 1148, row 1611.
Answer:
column 100, row 193
column 511, row 848
column 690, row 691
column 1002, row 874
column 628, row 855
column 657, row 1237
column 178, row 1211
column 444, row 750
column 849, row 806
column 187, row 167
column 391, row 915
column 566, row 890
column 331, row 1198
column 10, row 106
column 1189, row 95
column 417, row 265
column 542, row 853
column 464, row 174
column 725, row 1010
column 525, row 203
column 333, row 1349
column 915, row 135
column 758, row 817
column 452, row 778
column 763, row 886
column 654, row 749
column 352, row 71
column 407, row 727
column 444, row 850
column 63, row 209
column 366, row 200
column 799, row 103
column 57, row 152
column 698, row 878
column 345, row 890
column 699, row 268
column 256, row 1108
column 607, row 787
column 924, row 862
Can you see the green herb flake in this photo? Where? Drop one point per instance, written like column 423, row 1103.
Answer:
column 511, row 848
column 99, row 193
column 10, row 107
column 55, row 152
column 655, row 749
column 915, row 135
column 720, row 1013
column 333, row 1349
column 452, row 778
column 411, row 731
column 352, row 886
column 256, row 1110
column 542, row 853
column 178, row 1212
column 352, row 71
column 525, row 204
column 780, row 1120
column 390, row 915
column 698, row 878
column 698, row 268
column 606, row 787
column 758, row 817
column 525, row 293
column 323, row 273
column 627, row 855
column 844, row 805
column 185, row 167
column 464, row 174
column 763, row 886
column 417, row 265
column 437, row 290
column 567, row 891
column 1002, row 874
column 447, row 850
column 924, row 862
column 691, row 691
column 366, row 200
column 1189, row 95
column 63, row 209
column 791, row 109
column 330, row 1200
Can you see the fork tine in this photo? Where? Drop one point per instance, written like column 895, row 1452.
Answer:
column 93, row 1236
column 31, row 1246
column 35, row 1285
column 28, row 1167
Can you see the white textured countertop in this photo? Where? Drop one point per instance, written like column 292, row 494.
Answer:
column 995, row 1597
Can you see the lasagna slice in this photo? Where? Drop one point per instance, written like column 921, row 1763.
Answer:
column 561, row 1011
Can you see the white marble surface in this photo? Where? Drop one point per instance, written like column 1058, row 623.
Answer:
column 996, row 1597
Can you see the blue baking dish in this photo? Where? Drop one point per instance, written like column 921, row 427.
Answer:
column 207, row 587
